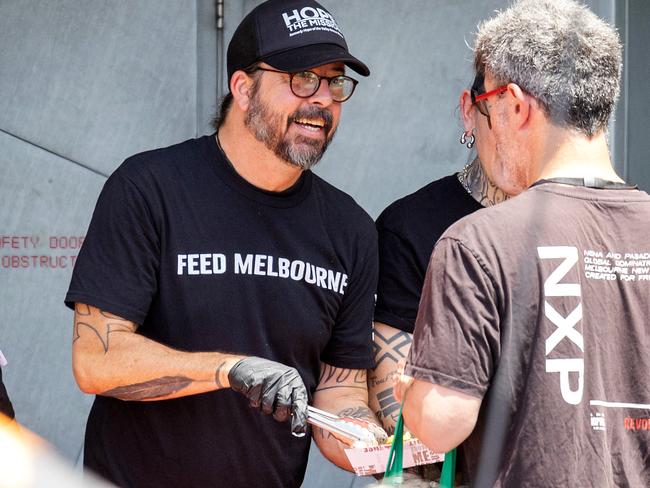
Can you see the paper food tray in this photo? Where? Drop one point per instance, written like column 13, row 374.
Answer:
column 372, row 460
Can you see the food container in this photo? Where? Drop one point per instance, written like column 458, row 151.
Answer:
column 373, row 459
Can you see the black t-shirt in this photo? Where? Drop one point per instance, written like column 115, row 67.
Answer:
column 540, row 307
column 408, row 229
column 183, row 245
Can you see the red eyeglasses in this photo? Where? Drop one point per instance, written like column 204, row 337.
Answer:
column 478, row 98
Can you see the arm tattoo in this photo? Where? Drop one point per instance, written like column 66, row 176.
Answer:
column 150, row 390
column 341, row 375
column 109, row 315
column 118, row 325
column 216, row 375
column 388, row 406
column 363, row 413
column 104, row 339
column 391, row 348
column 332, row 377
column 82, row 309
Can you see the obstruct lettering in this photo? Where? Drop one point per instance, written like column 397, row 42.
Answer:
column 565, row 327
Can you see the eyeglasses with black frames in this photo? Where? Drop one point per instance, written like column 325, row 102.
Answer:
column 305, row 83
column 479, row 96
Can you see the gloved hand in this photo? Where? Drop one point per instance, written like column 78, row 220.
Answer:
column 275, row 388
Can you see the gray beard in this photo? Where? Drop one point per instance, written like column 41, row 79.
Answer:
column 265, row 125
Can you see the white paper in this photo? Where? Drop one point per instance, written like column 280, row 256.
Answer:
column 372, row 460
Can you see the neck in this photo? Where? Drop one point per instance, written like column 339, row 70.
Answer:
column 567, row 154
column 252, row 160
column 479, row 185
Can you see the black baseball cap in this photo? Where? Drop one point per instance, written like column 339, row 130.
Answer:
column 290, row 35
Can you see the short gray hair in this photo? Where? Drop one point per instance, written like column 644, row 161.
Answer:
column 559, row 52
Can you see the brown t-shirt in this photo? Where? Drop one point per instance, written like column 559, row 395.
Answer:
column 541, row 307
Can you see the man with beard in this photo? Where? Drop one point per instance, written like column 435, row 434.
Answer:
column 221, row 274
column 531, row 338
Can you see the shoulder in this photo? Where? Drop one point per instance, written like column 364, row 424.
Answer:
column 409, row 211
column 496, row 225
column 161, row 162
column 341, row 209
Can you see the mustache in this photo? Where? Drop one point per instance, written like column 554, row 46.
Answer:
column 313, row 112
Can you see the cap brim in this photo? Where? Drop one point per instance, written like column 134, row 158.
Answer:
column 307, row 57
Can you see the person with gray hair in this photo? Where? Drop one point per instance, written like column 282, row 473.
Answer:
column 530, row 344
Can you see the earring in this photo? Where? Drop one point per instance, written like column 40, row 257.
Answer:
column 472, row 138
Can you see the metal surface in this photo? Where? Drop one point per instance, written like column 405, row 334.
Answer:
column 83, row 85
column 635, row 133
column 98, row 81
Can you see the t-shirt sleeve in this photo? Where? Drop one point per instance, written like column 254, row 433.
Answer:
column 400, row 281
column 117, row 266
column 350, row 345
column 456, row 341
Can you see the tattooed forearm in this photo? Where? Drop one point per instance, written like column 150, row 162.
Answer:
column 217, row 375
column 104, row 335
column 369, row 421
column 109, row 315
column 362, row 413
column 332, row 377
column 391, row 347
column 101, row 329
column 330, row 374
column 150, row 390
column 374, row 380
column 357, row 413
column 388, row 408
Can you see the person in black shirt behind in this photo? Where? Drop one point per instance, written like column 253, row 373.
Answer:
column 408, row 230
column 221, row 273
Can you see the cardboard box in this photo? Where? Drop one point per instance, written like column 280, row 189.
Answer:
column 372, row 460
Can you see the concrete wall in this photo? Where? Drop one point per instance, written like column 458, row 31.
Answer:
column 85, row 84
column 82, row 86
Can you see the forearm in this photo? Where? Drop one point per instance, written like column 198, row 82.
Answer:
column 141, row 369
column 110, row 359
column 440, row 417
column 342, row 392
column 332, row 448
column 391, row 345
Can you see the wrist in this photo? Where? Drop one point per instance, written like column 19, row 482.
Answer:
column 222, row 369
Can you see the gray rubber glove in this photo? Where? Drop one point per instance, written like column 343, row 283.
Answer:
column 274, row 388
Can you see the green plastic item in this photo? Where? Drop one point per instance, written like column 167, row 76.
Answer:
column 395, row 469
column 448, row 470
